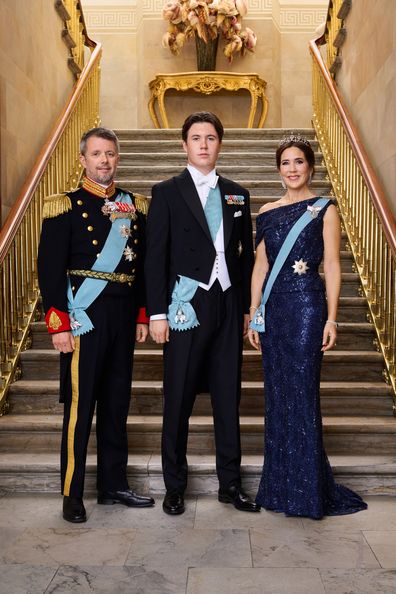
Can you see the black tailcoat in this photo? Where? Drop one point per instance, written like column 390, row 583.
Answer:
column 179, row 241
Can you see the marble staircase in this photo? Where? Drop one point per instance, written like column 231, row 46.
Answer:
column 359, row 428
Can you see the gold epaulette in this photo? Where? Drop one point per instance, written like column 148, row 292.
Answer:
column 141, row 203
column 55, row 205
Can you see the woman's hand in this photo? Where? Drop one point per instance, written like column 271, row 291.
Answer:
column 329, row 336
column 254, row 339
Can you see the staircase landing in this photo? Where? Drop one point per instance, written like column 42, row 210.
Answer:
column 359, row 429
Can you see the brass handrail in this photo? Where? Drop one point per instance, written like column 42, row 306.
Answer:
column 57, row 169
column 368, row 220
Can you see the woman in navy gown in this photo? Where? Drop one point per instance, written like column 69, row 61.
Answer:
column 300, row 324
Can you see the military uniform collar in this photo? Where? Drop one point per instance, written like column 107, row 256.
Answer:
column 98, row 190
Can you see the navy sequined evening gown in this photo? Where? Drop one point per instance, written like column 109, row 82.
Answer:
column 297, row 478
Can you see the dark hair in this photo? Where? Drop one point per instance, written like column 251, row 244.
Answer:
column 100, row 133
column 301, row 143
column 202, row 116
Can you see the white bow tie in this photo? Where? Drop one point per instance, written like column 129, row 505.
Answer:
column 204, row 180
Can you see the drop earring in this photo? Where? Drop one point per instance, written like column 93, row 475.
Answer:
column 310, row 179
column 283, row 183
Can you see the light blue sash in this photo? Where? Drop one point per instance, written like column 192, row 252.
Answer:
column 91, row 288
column 181, row 314
column 258, row 321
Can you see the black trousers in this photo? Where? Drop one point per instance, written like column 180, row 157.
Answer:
column 99, row 372
column 212, row 350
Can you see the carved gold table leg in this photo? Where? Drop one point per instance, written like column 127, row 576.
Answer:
column 253, row 107
column 264, row 110
column 161, row 105
column 153, row 115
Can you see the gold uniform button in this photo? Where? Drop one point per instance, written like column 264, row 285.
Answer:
column 135, row 241
column 97, row 255
column 135, row 227
column 79, row 202
column 85, row 215
column 95, row 241
column 90, row 228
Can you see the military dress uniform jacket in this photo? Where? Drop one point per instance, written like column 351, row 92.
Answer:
column 179, row 240
column 73, row 234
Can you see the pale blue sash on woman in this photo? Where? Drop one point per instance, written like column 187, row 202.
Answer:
column 91, row 288
column 181, row 314
column 258, row 321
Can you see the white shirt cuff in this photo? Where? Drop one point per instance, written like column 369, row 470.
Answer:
column 157, row 317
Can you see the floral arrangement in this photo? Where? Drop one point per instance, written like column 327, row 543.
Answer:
column 208, row 19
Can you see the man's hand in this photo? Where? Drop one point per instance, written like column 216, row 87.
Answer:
column 141, row 332
column 245, row 324
column 63, row 342
column 159, row 331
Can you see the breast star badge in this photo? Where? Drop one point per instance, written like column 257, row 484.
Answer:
column 129, row 254
column 300, row 267
column 125, row 231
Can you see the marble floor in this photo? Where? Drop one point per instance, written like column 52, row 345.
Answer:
column 211, row 549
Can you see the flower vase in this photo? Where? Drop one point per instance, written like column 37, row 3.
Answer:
column 206, row 53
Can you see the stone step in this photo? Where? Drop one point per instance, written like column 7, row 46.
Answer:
column 145, row 145
column 39, row 473
column 350, row 335
column 352, row 309
column 348, row 434
column 234, row 171
column 256, row 188
column 337, row 398
column 43, row 364
column 177, row 158
column 244, row 133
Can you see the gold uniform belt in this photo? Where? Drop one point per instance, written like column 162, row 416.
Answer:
column 113, row 277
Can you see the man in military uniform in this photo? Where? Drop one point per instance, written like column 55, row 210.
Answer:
column 90, row 265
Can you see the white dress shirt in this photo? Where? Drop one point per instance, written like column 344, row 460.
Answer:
column 203, row 184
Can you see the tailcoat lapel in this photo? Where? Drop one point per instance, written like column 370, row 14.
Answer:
column 228, row 213
column 189, row 193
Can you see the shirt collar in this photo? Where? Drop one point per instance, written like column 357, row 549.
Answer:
column 210, row 179
column 97, row 189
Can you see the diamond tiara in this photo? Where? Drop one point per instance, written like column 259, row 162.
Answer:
column 294, row 138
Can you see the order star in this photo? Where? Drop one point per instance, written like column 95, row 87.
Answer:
column 300, row 267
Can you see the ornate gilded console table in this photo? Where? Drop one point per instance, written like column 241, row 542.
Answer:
column 208, row 82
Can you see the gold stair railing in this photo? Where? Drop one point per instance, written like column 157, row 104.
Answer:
column 57, row 169
column 368, row 220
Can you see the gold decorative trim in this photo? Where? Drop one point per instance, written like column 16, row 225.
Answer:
column 141, row 203
column 73, row 416
column 55, row 205
column 94, row 188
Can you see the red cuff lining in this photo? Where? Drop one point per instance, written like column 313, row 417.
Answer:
column 57, row 321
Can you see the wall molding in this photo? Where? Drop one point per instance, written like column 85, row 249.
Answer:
column 124, row 18
column 301, row 19
column 110, row 20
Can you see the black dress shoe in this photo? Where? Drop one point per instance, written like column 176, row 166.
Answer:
column 173, row 503
column 241, row 501
column 128, row 498
column 74, row 510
